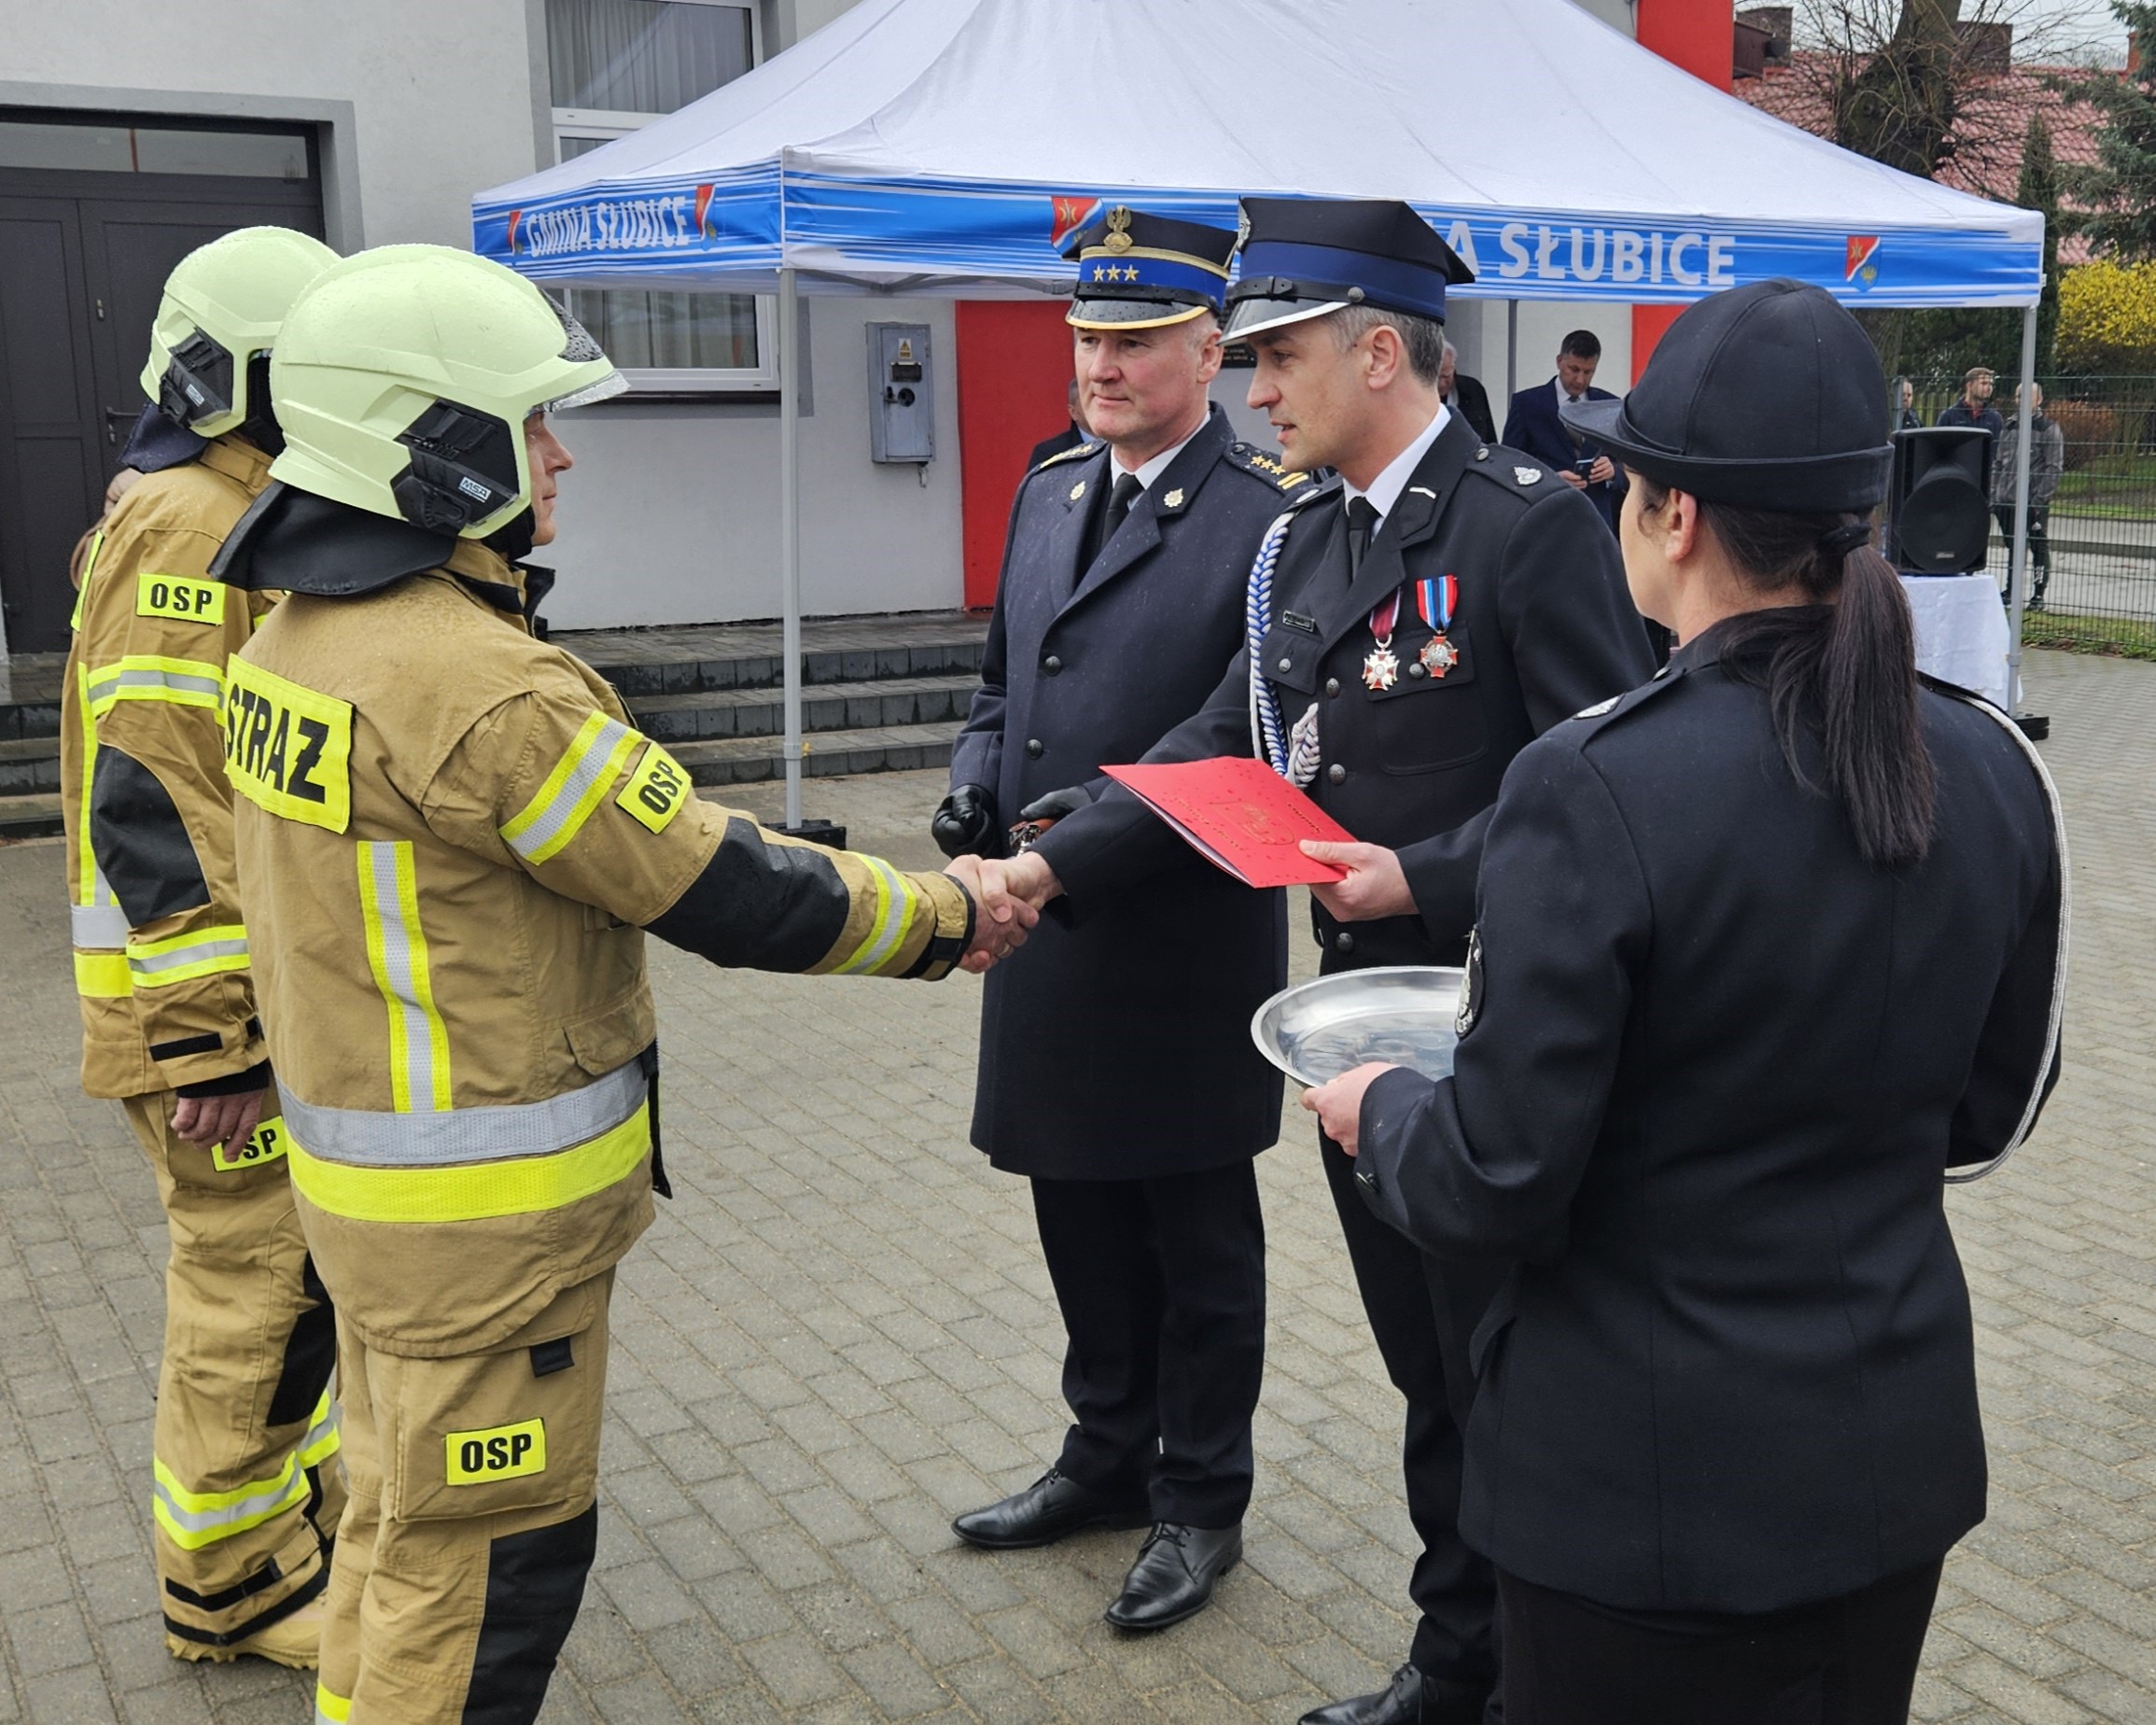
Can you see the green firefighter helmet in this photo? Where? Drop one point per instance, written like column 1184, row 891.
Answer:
column 222, row 305
column 403, row 379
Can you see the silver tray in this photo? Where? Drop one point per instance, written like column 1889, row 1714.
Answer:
column 1401, row 1014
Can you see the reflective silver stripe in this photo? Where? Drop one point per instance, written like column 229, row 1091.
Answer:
column 390, row 1140
column 387, row 871
column 98, row 925
column 193, row 953
column 569, row 797
column 105, row 688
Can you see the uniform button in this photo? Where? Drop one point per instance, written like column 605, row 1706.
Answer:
column 1336, row 773
column 1415, row 668
column 1343, row 942
column 1035, row 748
column 1052, row 664
column 1287, row 665
column 1332, row 687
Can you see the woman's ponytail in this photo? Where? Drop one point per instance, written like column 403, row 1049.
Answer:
column 1842, row 668
column 1876, row 759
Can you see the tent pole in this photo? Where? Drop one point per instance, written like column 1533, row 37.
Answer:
column 790, row 527
column 1511, row 349
column 2018, row 566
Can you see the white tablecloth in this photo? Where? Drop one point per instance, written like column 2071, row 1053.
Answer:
column 1960, row 632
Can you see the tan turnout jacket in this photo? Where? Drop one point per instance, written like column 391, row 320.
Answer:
column 161, row 948
column 449, row 836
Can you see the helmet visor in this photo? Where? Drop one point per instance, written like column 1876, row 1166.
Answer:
column 579, row 349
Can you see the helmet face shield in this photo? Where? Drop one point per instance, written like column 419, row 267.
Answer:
column 578, row 348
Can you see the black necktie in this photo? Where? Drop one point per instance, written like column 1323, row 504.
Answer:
column 1111, row 516
column 1362, row 522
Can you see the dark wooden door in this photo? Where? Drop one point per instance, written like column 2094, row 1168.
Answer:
column 83, row 259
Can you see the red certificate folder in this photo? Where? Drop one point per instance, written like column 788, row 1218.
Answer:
column 1240, row 814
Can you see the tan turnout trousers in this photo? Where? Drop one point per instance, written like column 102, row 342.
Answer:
column 248, row 1494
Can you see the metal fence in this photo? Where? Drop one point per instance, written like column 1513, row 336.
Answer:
column 2093, row 542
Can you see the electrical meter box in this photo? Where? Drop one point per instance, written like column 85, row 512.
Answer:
column 901, row 415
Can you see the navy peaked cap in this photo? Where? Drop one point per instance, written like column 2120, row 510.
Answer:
column 1304, row 257
column 1137, row 271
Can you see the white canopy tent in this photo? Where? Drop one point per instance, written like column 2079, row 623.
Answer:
column 926, row 144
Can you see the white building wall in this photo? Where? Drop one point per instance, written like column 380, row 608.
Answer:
column 670, row 514
column 440, row 90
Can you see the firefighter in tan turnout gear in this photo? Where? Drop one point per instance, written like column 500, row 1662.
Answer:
column 245, row 1497
column 451, row 842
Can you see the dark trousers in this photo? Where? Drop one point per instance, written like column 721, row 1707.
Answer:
column 2039, row 542
column 1423, row 1313
column 1850, row 1660
column 1162, row 1284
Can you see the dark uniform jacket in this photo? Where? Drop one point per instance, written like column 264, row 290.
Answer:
column 1121, row 1049
column 1531, row 423
column 1715, row 1069
column 1544, row 626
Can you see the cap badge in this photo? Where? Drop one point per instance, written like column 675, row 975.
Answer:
column 1241, row 227
column 1173, row 499
column 1527, row 475
column 1077, row 491
column 1118, row 238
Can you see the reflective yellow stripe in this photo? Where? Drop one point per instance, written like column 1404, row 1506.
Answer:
column 103, row 976
column 895, row 905
column 331, row 1708
column 86, row 864
column 544, row 826
column 477, row 1190
column 148, row 677
column 396, row 953
column 180, row 958
column 192, row 1520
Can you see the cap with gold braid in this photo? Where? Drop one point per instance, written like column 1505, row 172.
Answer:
column 1140, row 271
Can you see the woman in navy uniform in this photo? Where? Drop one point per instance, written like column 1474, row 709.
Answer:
column 1417, row 624
column 1116, row 1068
column 1764, row 950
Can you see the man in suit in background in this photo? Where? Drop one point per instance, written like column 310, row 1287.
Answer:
column 1116, row 1070
column 1465, row 396
column 1533, row 425
column 1071, row 436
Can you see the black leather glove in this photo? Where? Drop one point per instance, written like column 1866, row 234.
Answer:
column 965, row 824
column 1058, row 803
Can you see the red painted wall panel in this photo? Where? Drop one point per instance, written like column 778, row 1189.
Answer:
column 1698, row 36
column 1013, row 368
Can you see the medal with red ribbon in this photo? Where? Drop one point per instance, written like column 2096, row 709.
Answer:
column 1435, row 599
column 1380, row 668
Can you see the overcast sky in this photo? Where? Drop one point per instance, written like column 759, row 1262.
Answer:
column 2071, row 23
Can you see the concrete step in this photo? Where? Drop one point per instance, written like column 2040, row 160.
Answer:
column 881, row 749
column 29, row 764
column 30, row 815
column 825, row 707
column 644, row 662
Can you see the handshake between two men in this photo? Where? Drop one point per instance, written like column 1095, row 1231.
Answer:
column 1006, row 889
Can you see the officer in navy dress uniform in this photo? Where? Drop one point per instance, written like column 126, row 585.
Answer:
column 1117, row 1069
column 1765, row 947
column 1419, row 622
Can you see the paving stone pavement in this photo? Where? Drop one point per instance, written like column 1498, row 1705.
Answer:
column 840, row 1333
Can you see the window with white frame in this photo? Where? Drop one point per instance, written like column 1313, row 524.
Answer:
column 619, row 64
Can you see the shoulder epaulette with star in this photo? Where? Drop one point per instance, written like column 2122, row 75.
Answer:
column 1070, row 454
column 1292, row 483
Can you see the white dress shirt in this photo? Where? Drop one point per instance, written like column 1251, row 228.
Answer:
column 1384, row 491
column 1154, row 469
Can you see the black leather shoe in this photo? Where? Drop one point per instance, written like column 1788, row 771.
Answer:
column 1412, row 1698
column 1053, row 1507
column 1174, row 1574
column 1399, row 1703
